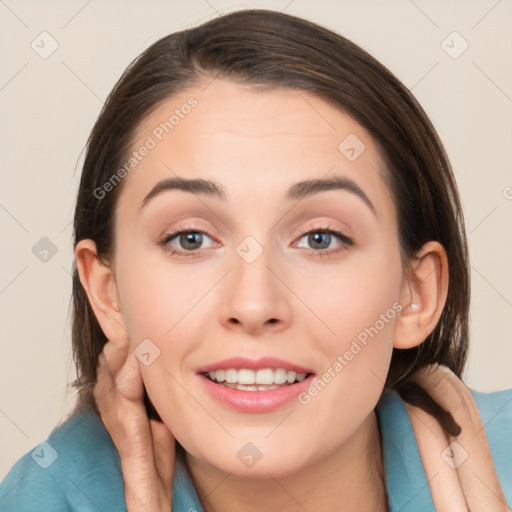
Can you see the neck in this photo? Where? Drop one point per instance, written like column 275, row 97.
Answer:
column 351, row 478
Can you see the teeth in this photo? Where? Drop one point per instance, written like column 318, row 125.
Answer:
column 246, row 377
column 291, row 377
column 254, row 387
column 231, row 376
column 279, row 376
column 252, row 380
column 265, row 376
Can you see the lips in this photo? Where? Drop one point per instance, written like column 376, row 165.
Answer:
column 255, row 386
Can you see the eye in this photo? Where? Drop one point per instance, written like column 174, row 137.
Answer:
column 186, row 241
column 324, row 241
column 192, row 241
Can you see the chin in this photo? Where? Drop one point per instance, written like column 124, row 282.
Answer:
column 260, row 458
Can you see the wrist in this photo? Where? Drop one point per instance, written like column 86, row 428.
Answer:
column 147, row 502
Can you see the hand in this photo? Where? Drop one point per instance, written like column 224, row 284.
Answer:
column 146, row 447
column 464, row 478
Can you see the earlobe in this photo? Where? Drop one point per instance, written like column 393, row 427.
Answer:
column 423, row 296
column 99, row 284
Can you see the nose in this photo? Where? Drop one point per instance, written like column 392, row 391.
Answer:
column 255, row 298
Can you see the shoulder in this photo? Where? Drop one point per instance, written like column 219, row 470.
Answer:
column 76, row 468
column 406, row 483
column 405, row 478
column 496, row 413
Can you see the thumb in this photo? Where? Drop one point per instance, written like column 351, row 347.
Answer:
column 164, row 449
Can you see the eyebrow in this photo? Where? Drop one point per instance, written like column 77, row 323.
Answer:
column 297, row 191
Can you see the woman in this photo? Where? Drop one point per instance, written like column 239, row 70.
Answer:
column 271, row 292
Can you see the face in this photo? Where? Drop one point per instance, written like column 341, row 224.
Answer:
column 300, row 279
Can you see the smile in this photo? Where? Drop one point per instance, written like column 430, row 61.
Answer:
column 246, row 379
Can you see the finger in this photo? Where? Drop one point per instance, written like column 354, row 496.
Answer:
column 128, row 379
column 115, row 353
column 474, row 464
column 445, row 488
column 110, row 361
column 118, row 370
column 104, row 379
column 164, row 448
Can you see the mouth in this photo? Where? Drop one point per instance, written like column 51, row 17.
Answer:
column 265, row 379
column 255, row 386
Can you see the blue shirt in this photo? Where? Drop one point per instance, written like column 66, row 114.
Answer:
column 78, row 467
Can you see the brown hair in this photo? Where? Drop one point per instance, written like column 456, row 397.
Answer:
column 271, row 49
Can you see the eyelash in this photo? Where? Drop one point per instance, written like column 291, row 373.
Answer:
column 346, row 242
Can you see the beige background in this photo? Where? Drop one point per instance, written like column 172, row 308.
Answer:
column 48, row 107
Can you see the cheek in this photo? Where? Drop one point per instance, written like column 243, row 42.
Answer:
column 356, row 308
column 156, row 296
column 163, row 303
column 354, row 299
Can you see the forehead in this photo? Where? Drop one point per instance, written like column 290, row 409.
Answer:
column 252, row 141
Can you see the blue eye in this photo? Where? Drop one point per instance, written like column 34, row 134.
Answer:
column 191, row 242
column 321, row 241
column 187, row 241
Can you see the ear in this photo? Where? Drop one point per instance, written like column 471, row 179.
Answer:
column 423, row 296
column 100, row 286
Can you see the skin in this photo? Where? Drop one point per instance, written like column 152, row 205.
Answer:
column 198, row 310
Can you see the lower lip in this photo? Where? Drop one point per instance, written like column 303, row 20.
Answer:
column 255, row 401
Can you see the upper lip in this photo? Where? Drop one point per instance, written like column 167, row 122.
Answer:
column 253, row 364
